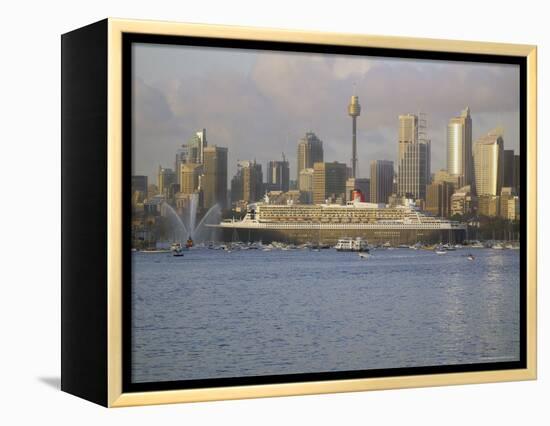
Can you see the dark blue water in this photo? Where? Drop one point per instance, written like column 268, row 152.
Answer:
column 213, row 314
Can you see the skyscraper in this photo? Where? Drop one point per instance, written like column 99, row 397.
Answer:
column 381, row 180
column 310, row 151
column 488, row 163
column 438, row 198
column 459, row 147
column 329, row 181
column 354, row 110
column 247, row 184
column 196, row 146
column 508, row 168
column 413, row 167
column 214, row 181
column 165, row 178
column 278, row 176
column 190, row 177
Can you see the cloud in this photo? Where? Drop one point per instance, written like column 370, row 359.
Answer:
column 261, row 103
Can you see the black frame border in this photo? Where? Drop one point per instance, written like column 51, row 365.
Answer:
column 129, row 38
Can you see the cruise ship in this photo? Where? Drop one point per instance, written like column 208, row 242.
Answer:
column 327, row 223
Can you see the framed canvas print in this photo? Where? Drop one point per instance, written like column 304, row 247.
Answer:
column 250, row 212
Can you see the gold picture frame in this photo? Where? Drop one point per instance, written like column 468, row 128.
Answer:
column 114, row 30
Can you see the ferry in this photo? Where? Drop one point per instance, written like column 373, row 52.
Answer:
column 349, row 244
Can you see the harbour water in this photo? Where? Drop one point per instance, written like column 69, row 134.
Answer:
column 214, row 314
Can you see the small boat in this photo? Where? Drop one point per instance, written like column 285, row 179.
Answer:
column 440, row 250
column 363, row 256
column 471, row 257
column 497, row 246
column 177, row 250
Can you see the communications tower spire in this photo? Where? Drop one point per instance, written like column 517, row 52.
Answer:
column 354, row 110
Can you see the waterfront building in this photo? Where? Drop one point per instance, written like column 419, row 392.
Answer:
column 354, row 110
column 310, row 151
column 414, row 157
column 513, row 208
column 278, row 176
column 214, row 180
column 358, row 184
column 459, row 147
column 329, row 181
column 165, row 178
column 506, row 194
column 462, row 201
column 488, row 205
column 190, row 177
column 381, row 181
column 488, row 163
column 438, row 198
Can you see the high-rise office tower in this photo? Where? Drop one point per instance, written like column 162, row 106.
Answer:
column 459, row 147
column 278, row 175
column 310, row 151
column 165, row 178
column 214, row 180
column 182, row 154
column 190, row 175
column 329, row 181
column 354, row 110
column 381, row 181
column 508, row 168
column 438, row 198
column 247, row 184
column 191, row 152
column 413, row 166
column 196, row 146
column 488, row 163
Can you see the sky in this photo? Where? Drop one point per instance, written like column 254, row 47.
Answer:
column 259, row 103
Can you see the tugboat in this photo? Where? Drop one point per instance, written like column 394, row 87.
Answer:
column 189, row 242
column 177, row 250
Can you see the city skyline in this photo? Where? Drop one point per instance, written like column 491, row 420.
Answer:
column 266, row 119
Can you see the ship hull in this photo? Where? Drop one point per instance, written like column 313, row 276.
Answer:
column 331, row 236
